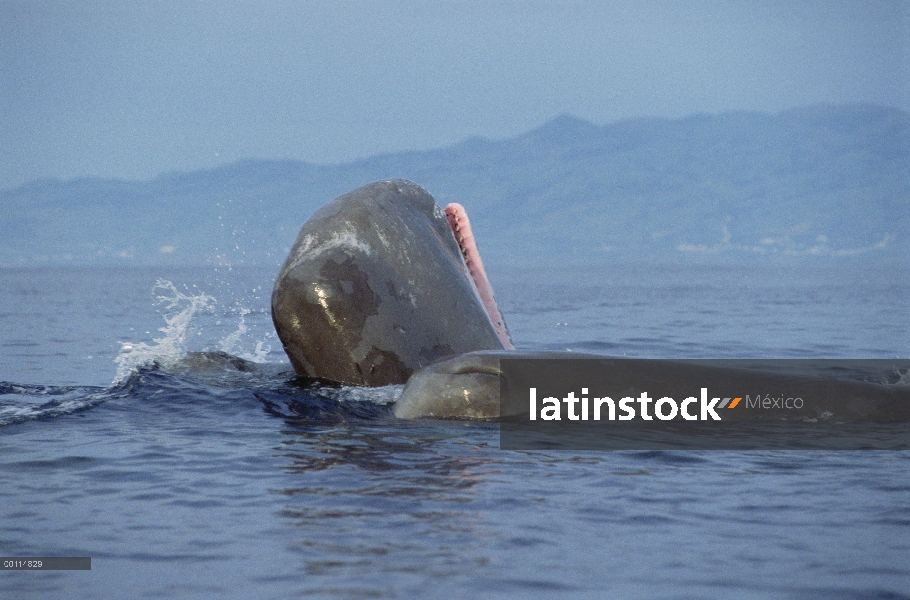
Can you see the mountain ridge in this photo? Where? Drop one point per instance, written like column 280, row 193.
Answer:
column 823, row 181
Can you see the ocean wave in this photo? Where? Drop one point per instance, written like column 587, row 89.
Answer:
column 200, row 383
column 24, row 402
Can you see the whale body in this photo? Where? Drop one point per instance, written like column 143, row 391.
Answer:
column 383, row 286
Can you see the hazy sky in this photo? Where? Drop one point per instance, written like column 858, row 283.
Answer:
column 133, row 89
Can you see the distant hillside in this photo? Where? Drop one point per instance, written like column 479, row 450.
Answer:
column 821, row 182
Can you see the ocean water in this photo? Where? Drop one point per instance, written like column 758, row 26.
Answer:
column 149, row 419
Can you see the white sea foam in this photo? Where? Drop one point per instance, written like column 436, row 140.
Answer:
column 377, row 395
column 24, row 403
column 233, row 343
column 172, row 345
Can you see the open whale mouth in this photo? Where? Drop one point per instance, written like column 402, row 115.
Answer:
column 461, row 229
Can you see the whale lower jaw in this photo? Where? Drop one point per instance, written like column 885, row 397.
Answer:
column 460, row 224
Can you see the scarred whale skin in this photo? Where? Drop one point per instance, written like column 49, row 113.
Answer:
column 375, row 288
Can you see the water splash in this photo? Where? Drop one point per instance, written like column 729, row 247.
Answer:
column 229, row 343
column 903, row 379
column 171, row 346
column 232, row 344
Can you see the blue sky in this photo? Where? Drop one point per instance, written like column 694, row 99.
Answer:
column 131, row 90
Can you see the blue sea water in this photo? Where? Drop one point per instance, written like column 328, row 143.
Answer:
column 149, row 419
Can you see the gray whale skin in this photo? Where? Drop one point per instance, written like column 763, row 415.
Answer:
column 377, row 287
